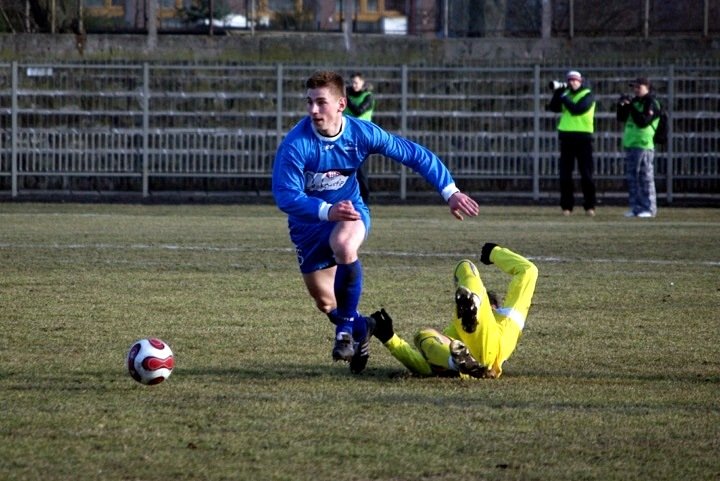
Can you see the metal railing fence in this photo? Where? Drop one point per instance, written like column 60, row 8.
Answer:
column 149, row 128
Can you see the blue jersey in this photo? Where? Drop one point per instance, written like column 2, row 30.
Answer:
column 312, row 172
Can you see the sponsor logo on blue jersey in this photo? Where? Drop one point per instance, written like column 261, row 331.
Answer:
column 332, row 180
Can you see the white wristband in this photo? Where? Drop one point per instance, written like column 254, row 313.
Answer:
column 324, row 211
column 449, row 191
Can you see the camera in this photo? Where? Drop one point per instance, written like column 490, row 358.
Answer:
column 624, row 99
column 556, row 84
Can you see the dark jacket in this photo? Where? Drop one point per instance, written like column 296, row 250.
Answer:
column 647, row 110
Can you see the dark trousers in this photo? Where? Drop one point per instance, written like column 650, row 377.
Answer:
column 576, row 145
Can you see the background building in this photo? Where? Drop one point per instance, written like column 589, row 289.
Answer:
column 442, row 18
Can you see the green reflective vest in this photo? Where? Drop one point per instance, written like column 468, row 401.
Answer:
column 577, row 123
column 635, row 137
column 357, row 100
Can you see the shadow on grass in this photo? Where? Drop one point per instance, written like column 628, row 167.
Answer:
column 621, row 376
column 99, row 380
column 386, row 375
column 296, row 372
column 329, row 373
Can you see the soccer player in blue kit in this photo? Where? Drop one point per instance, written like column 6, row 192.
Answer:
column 314, row 182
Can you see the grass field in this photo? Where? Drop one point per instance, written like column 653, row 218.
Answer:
column 617, row 376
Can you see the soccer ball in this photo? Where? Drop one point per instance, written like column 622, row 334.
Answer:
column 150, row 361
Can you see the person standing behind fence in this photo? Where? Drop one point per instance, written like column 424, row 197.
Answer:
column 360, row 104
column 641, row 115
column 576, row 104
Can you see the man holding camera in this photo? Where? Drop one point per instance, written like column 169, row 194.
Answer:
column 641, row 115
column 576, row 104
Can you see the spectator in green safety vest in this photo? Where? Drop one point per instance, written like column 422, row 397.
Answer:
column 641, row 115
column 575, row 103
column 360, row 104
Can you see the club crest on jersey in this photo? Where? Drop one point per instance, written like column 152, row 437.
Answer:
column 332, row 180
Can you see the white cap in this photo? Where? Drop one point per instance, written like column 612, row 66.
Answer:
column 573, row 74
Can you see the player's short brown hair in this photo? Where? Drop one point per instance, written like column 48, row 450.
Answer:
column 327, row 78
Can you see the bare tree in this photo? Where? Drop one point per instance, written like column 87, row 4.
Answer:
column 54, row 16
column 494, row 14
column 152, row 27
column 547, row 17
column 348, row 14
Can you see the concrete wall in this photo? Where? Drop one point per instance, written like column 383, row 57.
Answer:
column 331, row 48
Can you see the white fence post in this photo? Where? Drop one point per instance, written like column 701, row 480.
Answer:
column 403, row 127
column 669, row 151
column 536, row 133
column 145, row 131
column 14, row 133
column 279, row 106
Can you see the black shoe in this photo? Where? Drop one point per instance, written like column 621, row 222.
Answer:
column 383, row 325
column 464, row 361
column 362, row 349
column 467, row 304
column 343, row 348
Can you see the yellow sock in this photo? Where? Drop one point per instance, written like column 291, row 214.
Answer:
column 435, row 348
column 467, row 275
column 408, row 356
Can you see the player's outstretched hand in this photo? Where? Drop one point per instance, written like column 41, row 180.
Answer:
column 343, row 210
column 463, row 204
column 383, row 325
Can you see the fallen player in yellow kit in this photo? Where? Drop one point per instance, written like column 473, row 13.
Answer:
column 481, row 336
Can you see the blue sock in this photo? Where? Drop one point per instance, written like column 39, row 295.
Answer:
column 359, row 328
column 358, row 325
column 348, row 288
column 342, row 324
column 332, row 315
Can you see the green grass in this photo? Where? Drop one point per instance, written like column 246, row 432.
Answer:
column 617, row 376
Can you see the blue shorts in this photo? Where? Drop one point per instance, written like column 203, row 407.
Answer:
column 312, row 243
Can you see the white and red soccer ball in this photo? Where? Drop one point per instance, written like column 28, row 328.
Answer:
column 150, row 361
